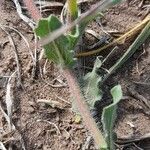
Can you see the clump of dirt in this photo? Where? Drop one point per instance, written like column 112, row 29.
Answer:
column 50, row 124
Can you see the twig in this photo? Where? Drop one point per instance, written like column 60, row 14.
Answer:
column 111, row 52
column 63, row 12
column 34, row 73
column 50, row 84
column 7, row 77
column 137, row 64
column 54, row 86
column 52, row 103
column 48, row 4
column 51, row 123
column 124, row 140
column 87, row 143
column 36, row 46
column 141, row 4
column 43, row 71
column 44, row 67
column 141, row 98
column 22, row 142
column 142, row 83
column 63, row 100
column 83, row 1
column 22, row 16
column 6, row 116
column 41, row 54
column 9, row 105
column 138, row 148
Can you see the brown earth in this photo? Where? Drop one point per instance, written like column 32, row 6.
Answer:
column 52, row 126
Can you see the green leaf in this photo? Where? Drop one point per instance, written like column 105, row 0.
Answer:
column 82, row 20
column 73, row 38
column 58, row 50
column 116, row 1
column 91, row 88
column 109, row 116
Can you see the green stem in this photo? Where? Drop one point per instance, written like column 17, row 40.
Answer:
column 72, row 9
column 84, row 110
column 72, row 13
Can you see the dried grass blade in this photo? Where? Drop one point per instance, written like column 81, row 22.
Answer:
column 2, row 147
column 145, row 33
column 9, row 102
column 22, row 16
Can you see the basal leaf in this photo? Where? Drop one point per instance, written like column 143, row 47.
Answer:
column 116, row 93
column 73, row 38
column 58, row 50
column 91, row 88
column 109, row 116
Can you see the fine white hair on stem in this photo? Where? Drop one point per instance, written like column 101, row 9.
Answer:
column 30, row 22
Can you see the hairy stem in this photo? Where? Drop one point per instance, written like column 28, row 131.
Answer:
column 33, row 10
column 84, row 110
column 75, row 90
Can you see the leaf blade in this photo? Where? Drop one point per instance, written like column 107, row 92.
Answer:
column 91, row 88
column 109, row 115
column 58, row 50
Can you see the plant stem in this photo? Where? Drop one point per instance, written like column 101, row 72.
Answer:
column 73, row 9
column 85, row 18
column 72, row 13
column 75, row 91
column 84, row 110
column 35, row 13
